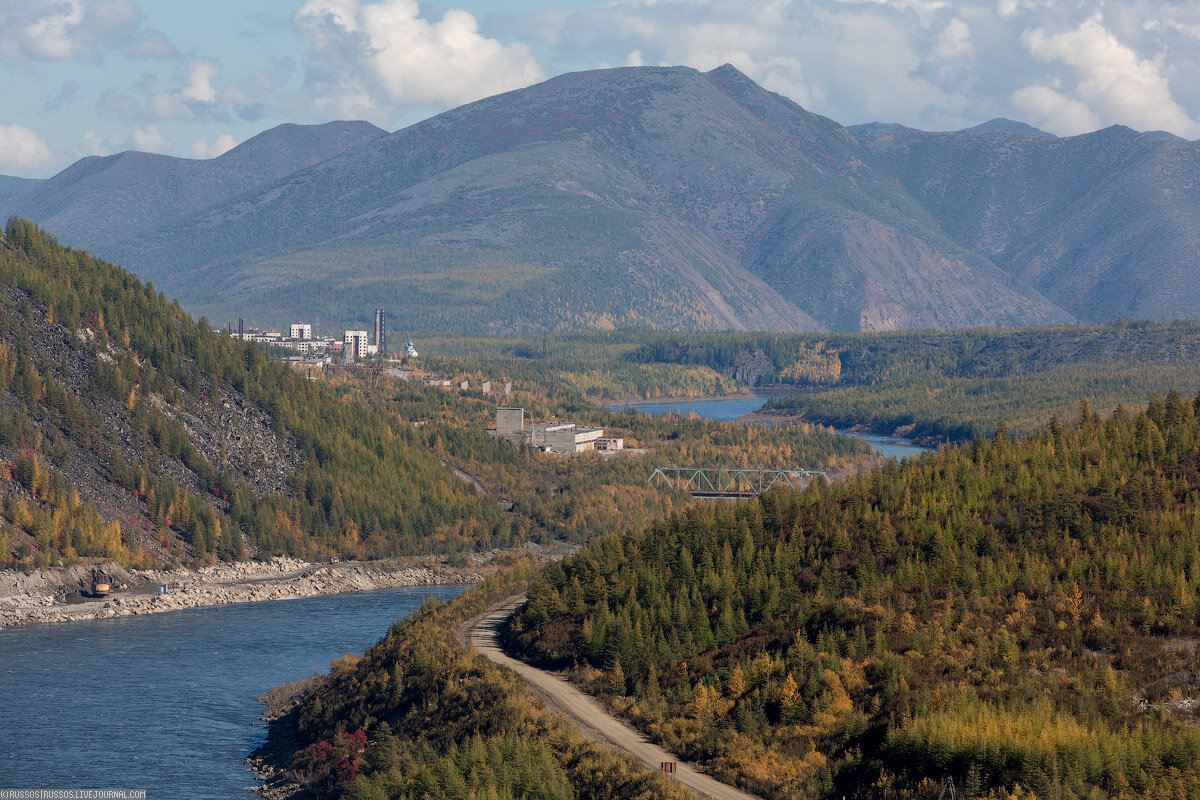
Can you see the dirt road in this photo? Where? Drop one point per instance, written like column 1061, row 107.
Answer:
column 481, row 634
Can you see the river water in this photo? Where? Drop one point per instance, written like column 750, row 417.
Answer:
column 732, row 408
column 165, row 702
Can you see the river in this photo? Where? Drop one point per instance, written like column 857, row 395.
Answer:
column 165, row 702
column 732, row 408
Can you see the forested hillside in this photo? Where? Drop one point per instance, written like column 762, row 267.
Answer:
column 1019, row 616
column 133, row 432
column 417, row 717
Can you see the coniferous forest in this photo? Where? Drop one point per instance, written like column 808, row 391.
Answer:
column 1020, row 616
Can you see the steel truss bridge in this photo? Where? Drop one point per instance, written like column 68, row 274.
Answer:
column 732, row 482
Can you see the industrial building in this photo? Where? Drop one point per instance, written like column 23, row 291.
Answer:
column 562, row 438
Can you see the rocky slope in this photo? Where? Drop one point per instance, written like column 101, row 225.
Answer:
column 132, row 432
column 220, row 423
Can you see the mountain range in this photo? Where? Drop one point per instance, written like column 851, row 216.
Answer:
column 650, row 196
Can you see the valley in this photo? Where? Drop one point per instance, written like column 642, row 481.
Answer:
column 975, row 344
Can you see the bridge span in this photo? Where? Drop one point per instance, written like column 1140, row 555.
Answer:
column 732, row 481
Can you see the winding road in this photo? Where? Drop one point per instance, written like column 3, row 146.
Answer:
column 481, row 633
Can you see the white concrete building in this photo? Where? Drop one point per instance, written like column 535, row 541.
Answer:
column 564, row 438
column 358, row 344
column 301, row 331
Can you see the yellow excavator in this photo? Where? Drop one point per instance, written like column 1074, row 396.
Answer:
column 100, row 586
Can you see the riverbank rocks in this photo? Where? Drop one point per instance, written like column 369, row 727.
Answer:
column 51, row 595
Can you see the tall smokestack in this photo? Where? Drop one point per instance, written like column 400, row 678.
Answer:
column 380, row 332
column 241, row 328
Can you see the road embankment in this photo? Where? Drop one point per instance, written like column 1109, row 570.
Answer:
column 62, row 595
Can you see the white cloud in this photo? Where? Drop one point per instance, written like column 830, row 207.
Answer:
column 153, row 45
column 66, row 94
column 368, row 58
column 1112, row 78
column 199, row 88
column 93, row 144
column 855, row 61
column 222, row 144
column 955, row 42
column 41, row 32
column 22, row 150
column 194, row 98
column 71, row 30
column 103, row 18
column 1047, row 106
column 150, row 139
column 925, row 10
column 1012, row 8
column 934, row 64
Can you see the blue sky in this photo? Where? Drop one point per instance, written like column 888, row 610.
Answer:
column 92, row 77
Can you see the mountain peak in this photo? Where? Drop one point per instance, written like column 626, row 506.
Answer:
column 734, row 82
column 1004, row 125
column 727, row 72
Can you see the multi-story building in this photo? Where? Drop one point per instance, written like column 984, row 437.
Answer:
column 358, row 344
column 300, row 331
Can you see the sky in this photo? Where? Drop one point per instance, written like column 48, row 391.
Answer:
column 95, row 77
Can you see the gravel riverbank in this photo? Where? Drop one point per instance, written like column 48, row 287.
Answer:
column 62, row 595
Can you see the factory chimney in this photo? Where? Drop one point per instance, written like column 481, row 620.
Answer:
column 380, row 332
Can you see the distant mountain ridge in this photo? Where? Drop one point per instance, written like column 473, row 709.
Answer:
column 1105, row 224
column 10, row 185
column 98, row 197
column 662, row 197
column 1011, row 126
